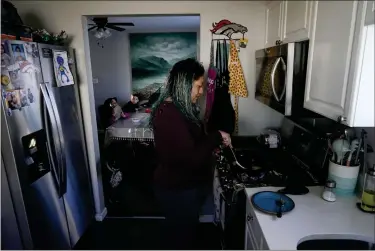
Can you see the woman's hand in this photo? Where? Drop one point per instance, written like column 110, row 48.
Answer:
column 227, row 141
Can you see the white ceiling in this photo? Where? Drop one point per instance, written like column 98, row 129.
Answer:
column 157, row 23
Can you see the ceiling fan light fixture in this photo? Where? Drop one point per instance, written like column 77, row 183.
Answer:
column 107, row 33
column 99, row 33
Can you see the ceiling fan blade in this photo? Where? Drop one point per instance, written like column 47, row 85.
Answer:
column 92, row 28
column 114, row 27
column 122, row 24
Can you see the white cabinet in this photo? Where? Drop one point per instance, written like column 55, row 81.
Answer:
column 296, row 21
column 273, row 22
column 287, row 21
column 370, row 15
column 334, row 64
column 249, row 240
column 254, row 239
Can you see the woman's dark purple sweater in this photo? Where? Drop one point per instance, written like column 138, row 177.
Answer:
column 183, row 150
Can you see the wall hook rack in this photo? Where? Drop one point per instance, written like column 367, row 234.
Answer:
column 227, row 28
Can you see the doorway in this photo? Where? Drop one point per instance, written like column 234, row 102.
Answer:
column 130, row 59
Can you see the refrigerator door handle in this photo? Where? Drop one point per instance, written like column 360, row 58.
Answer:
column 48, row 107
column 52, row 164
column 62, row 167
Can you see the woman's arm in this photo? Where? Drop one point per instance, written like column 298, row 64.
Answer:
column 175, row 144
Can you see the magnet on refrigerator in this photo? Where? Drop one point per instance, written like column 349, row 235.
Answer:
column 62, row 72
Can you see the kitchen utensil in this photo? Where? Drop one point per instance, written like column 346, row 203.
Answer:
column 280, row 204
column 345, row 178
column 272, row 202
column 340, row 147
column 358, row 151
column 353, row 146
column 366, row 148
column 349, row 134
column 330, row 148
column 235, row 158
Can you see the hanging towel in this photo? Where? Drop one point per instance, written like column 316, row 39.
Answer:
column 211, row 76
column 222, row 113
column 237, row 84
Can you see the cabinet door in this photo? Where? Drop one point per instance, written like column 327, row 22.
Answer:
column 296, row 20
column 329, row 57
column 273, row 22
column 370, row 13
column 249, row 241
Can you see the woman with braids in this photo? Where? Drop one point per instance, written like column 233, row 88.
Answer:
column 184, row 153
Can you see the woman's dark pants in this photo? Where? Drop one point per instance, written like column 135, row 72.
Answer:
column 181, row 209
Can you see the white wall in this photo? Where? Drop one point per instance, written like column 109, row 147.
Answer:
column 111, row 66
column 67, row 15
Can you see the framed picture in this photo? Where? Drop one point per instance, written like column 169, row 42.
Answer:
column 154, row 54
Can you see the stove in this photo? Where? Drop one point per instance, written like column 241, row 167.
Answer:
column 300, row 162
column 264, row 167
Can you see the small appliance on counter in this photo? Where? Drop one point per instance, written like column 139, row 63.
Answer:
column 270, row 138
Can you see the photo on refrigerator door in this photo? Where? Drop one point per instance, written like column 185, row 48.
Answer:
column 24, row 98
column 13, row 100
column 6, row 83
column 16, row 80
column 5, row 58
column 32, row 50
column 62, row 72
column 30, row 96
column 18, row 51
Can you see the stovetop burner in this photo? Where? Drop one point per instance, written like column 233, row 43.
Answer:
column 262, row 169
column 264, row 178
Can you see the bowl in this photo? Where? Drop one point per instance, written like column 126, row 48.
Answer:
column 136, row 121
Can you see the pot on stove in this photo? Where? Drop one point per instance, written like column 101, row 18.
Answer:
column 253, row 172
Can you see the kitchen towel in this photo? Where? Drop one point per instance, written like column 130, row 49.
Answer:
column 211, row 84
column 222, row 115
column 237, row 84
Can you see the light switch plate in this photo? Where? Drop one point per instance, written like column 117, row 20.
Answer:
column 95, row 80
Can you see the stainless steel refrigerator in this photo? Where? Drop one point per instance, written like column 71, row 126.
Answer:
column 43, row 147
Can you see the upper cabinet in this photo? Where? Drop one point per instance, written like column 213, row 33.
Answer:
column 273, row 22
column 334, row 70
column 340, row 76
column 287, row 21
column 370, row 15
column 296, row 21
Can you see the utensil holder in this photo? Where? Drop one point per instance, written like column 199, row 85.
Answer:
column 345, row 178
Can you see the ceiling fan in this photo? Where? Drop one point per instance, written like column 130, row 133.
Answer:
column 102, row 23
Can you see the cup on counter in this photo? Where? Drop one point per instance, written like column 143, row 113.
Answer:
column 345, row 178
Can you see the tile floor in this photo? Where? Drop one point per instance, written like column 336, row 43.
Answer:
column 138, row 234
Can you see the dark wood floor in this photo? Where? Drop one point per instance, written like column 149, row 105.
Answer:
column 137, row 234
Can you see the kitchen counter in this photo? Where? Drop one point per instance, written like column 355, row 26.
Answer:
column 312, row 218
